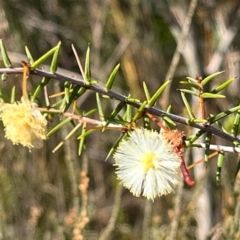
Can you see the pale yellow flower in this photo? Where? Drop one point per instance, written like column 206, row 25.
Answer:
column 147, row 165
column 23, row 123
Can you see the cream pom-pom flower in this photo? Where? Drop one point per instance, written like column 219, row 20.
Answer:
column 147, row 164
column 23, row 123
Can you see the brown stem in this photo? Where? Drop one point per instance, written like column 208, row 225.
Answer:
column 157, row 121
column 122, row 98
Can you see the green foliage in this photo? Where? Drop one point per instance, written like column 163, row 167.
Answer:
column 54, row 51
column 157, row 94
column 210, row 78
column 87, row 73
column 208, row 139
column 187, row 105
column 219, row 166
column 42, row 194
column 6, row 60
column 235, row 126
column 111, row 78
column 29, row 55
column 59, row 126
column 124, row 112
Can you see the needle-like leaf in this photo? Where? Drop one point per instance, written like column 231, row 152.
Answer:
column 40, row 87
column 212, row 95
column 156, row 95
column 147, row 94
column 115, row 145
column 189, row 91
column 60, row 125
column 87, row 66
column 6, row 60
column 187, row 105
column 111, row 78
column 43, row 58
column 139, row 112
column 67, row 137
column 114, row 113
column 99, row 107
column 82, row 141
column 54, row 63
column 236, row 123
column 222, row 86
column 13, row 95
column 221, row 115
column 209, row 78
column 29, row 55
column 191, row 84
column 208, row 138
column 192, row 139
column 219, row 166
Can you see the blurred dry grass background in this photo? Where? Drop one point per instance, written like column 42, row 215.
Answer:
column 47, row 196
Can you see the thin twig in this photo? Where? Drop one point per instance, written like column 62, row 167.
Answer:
column 112, row 221
column 113, row 126
column 147, row 219
column 100, row 124
column 218, row 148
column 72, row 166
column 180, row 45
column 235, row 225
column 202, row 160
column 177, row 212
column 224, row 44
column 84, row 195
column 122, row 98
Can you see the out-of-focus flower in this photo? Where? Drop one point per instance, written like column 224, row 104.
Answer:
column 147, row 164
column 23, row 123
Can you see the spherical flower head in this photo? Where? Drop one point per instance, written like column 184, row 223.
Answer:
column 147, row 164
column 23, row 123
